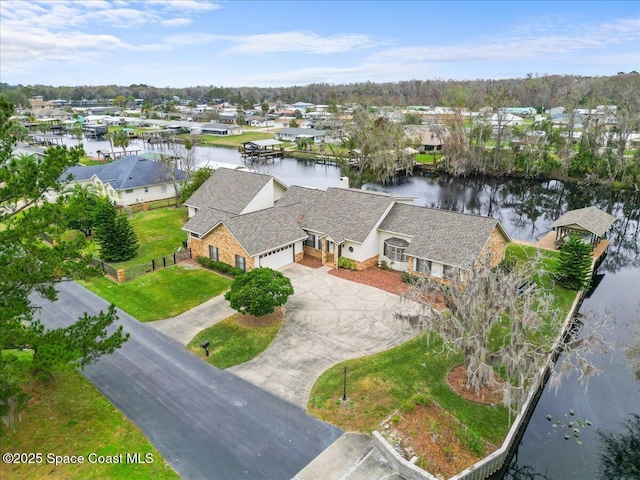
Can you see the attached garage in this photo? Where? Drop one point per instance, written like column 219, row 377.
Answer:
column 277, row 258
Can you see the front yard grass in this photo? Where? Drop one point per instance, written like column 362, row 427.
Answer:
column 162, row 294
column 159, row 234
column 231, row 343
column 70, row 417
column 233, row 140
column 380, row 384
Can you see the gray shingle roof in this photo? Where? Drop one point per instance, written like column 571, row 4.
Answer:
column 203, row 221
column 128, row 172
column 228, row 190
column 341, row 213
column 591, row 219
column 443, row 236
column 264, row 230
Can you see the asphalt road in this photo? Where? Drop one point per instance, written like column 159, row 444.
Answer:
column 207, row 423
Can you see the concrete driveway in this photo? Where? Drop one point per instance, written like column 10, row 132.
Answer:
column 327, row 320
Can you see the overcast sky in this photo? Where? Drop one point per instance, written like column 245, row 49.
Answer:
column 270, row 43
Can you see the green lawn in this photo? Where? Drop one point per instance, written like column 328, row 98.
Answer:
column 232, row 344
column 70, row 417
column 159, row 234
column 429, row 157
column 233, row 140
column 161, row 294
column 378, row 385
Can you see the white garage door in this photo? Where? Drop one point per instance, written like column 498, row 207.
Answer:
column 277, row 258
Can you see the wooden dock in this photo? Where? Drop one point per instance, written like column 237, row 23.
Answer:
column 261, row 150
column 547, row 242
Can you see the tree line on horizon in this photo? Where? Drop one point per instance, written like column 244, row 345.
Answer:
column 541, row 92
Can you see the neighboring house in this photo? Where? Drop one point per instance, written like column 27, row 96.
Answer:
column 129, row 180
column 293, row 134
column 262, row 122
column 252, row 220
column 428, row 138
column 221, row 129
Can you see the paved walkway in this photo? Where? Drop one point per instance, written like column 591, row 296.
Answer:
column 187, row 325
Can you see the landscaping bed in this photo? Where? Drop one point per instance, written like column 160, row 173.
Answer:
column 374, row 277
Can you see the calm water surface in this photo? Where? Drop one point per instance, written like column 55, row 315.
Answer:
column 526, row 209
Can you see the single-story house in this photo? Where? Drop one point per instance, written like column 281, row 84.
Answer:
column 129, row 180
column 293, row 134
column 221, row 129
column 252, row 220
column 262, row 122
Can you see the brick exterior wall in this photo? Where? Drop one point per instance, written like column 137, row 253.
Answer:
column 370, row 262
column 299, row 256
column 228, row 247
column 495, row 247
column 312, row 252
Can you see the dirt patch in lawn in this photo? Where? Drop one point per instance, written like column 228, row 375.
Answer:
column 457, row 380
column 263, row 321
column 443, row 446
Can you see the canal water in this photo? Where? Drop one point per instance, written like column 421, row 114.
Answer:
column 526, row 209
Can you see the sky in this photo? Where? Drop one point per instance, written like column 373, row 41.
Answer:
column 186, row 43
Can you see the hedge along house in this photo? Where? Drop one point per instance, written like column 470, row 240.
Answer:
column 252, row 220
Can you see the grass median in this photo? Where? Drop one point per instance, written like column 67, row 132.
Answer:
column 237, row 339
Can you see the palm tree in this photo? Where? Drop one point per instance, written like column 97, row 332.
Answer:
column 119, row 138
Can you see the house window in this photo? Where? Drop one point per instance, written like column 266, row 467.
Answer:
column 423, row 266
column 240, row 263
column 394, row 249
column 448, row 271
column 213, row 253
column 194, row 235
column 146, row 189
column 310, row 241
column 130, row 190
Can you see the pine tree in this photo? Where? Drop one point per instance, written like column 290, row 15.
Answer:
column 114, row 234
column 28, row 268
column 126, row 246
column 574, row 264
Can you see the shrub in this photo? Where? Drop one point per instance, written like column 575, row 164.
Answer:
column 346, row 263
column 259, row 292
column 409, row 278
column 219, row 266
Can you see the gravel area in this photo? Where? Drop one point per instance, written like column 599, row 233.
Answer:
column 374, row 277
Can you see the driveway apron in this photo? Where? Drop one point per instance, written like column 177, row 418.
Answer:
column 206, row 422
column 327, row 320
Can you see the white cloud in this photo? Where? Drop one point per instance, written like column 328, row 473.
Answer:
column 176, row 22
column 297, row 41
column 528, row 43
column 185, row 5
